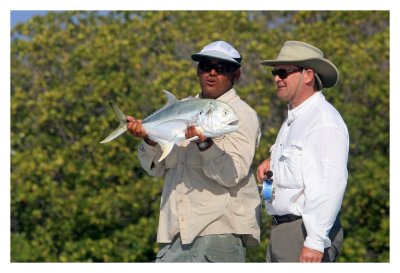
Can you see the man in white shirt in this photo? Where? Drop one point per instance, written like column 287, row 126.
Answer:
column 308, row 160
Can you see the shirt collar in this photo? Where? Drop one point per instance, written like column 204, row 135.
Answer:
column 294, row 113
column 226, row 97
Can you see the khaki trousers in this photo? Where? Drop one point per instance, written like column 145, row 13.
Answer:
column 287, row 240
column 208, row 248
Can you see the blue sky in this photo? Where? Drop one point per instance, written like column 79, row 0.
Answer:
column 19, row 16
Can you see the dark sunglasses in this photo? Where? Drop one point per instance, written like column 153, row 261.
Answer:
column 218, row 67
column 284, row 73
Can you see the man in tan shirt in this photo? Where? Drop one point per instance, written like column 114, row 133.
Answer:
column 210, row 204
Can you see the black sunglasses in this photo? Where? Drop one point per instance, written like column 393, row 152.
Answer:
column 284, row 73
column 218, row 67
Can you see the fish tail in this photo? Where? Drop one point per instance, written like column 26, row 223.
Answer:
column 122, row 127
column 166, row 148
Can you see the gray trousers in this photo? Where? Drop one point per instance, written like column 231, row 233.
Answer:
column 287, row 240
column 209, row 248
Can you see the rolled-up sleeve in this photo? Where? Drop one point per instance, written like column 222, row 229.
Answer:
column 148, row 157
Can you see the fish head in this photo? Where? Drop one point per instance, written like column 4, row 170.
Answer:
column 217, row 118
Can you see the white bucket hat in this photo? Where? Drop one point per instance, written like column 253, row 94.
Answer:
column 307, row 56
column 219, row 50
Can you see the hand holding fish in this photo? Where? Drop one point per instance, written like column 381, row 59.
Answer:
column 191, row 132
column 202, row 142
column 135, row 127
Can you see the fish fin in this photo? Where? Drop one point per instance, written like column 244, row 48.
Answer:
column 166, row 148
column 193, row 138
column 188, row 98
column 120, row 115
column 120, row 130
column 122, row 124
column 154, row 139
column 171, row 99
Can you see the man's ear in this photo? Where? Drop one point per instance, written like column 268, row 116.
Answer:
column 309, row 76
column 236, row 77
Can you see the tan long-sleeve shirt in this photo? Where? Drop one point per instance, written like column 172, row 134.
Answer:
column 209, row 192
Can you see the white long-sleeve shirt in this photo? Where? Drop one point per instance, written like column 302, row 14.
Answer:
column 309, row 165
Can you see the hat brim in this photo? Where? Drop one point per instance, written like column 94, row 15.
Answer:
column 325, row 69
column 214, row 54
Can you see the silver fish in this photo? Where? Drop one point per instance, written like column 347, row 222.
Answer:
column 167, row 126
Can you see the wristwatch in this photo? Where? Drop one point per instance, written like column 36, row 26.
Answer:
column 204, row 145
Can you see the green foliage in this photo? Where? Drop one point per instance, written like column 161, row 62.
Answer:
column 73, row 199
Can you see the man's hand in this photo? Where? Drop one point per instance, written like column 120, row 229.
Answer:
column 309, row 255
column 136, row 129
column 192, row 132
column 262, row 169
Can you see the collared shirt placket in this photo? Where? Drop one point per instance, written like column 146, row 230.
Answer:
column 182, row 202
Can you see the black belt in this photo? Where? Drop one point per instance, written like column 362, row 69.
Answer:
column 279, row 219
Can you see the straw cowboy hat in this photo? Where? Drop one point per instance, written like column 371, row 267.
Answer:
column 307, row 56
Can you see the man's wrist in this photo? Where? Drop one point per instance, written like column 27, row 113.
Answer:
column 204, row 145
column 149, row 141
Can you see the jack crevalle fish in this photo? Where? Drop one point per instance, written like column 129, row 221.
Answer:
column 167, row 126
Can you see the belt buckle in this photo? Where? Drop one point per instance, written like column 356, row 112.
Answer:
column 274, row 221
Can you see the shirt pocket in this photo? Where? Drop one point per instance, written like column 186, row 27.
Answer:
column 290, row 167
